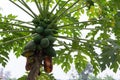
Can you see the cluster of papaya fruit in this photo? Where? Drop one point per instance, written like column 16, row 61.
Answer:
column 42, row 41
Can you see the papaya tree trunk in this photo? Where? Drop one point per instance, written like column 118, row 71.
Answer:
column 35, row 71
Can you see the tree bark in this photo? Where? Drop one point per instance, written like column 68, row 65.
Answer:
column 36, row 66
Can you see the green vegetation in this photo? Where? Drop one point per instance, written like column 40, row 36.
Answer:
column 75, row 41
column 44, row 43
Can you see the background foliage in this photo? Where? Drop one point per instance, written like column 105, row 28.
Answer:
column 77, row 41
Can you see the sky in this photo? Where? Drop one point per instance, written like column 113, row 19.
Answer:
column 17, row 65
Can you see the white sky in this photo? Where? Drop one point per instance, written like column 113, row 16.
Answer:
column 16, row 65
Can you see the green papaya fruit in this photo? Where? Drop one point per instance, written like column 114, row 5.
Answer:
column 39, row 30
column 30, row 45
column 54, row 26
column 51, row 39
column 48, row 32
column 42, row 23
column 44, row 43
column 37, row 38
column 35, row 21
column 55, row 31
column 50, row 51
column 29, row 49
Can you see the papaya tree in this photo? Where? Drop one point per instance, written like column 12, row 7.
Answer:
column 56, row 35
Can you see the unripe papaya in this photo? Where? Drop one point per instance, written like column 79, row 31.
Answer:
column 35, row 21
column 48, row 32
column 42, row 23
column 55, row 32
column 29, row 49
column 44, row 43
column 39, row 30
column 53, row 26
column 48, row 66
column 50, row 51
column 51, row 39
column 30, row 45
column 37, row 38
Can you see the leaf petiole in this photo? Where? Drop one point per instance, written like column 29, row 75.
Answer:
column 20, row 38
column 22, row 8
